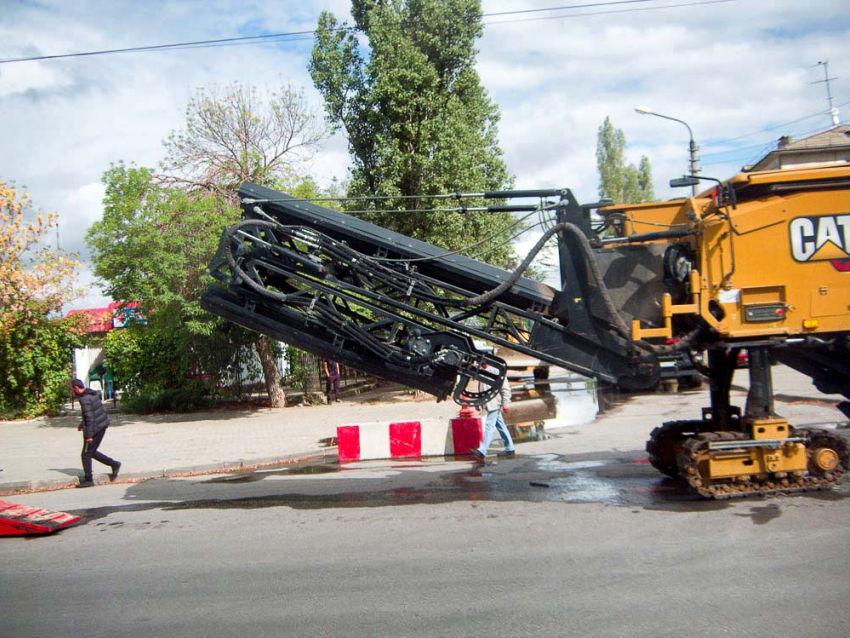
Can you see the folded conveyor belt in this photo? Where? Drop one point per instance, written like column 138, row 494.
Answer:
column 371, row 240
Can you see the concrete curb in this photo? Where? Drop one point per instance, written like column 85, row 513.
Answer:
column 11, row 488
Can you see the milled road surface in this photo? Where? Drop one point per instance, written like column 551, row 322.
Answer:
column 542, row 545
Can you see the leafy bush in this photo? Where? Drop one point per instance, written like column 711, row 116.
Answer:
column 152, row 366
column 35, row 350
column 179, row 362
column 35, row 356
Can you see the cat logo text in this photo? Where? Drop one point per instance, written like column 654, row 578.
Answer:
column 825, row 238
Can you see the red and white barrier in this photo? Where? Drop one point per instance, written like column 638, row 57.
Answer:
column 408, row 439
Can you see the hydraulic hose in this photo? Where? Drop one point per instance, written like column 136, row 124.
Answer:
column 587, row 253
column 237, row 270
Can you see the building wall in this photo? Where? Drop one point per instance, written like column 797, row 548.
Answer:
column 798, row 160
column 85, row 359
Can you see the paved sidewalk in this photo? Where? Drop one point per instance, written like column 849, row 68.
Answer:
column 45, row 453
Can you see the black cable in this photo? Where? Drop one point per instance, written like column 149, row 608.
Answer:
column 617, row 321
column 452, row 252
column 238, row 274
column 819, row 129
column 568, row 7
column 600, row 13
column 158, row 47
column 475, row 209
column 766, row 129
column 510, row 239
column 290, row 200
column 493, row 294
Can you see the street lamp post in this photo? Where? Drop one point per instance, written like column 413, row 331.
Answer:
column 645, row 110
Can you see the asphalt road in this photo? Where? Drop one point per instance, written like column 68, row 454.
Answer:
column 542, row 545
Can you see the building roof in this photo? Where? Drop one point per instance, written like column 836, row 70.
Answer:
column 104, row 319
column 832, row 146
column 836, row 136
column 99, row 319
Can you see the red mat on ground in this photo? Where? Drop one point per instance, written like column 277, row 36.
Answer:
column 18, row 520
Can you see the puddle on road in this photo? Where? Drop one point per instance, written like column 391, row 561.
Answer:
column 620, row 482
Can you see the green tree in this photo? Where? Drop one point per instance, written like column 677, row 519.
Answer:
column 35, row 356
column 233, row 135
column 618, row 180
column 415, row 114
column 152, row 364
column 152, row 245
column 35, row 281
column 646, row 191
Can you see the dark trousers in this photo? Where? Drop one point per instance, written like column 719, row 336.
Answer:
column 332, row 382
column 90, row 452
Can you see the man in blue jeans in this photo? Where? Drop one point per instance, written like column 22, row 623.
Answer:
column 494, row 421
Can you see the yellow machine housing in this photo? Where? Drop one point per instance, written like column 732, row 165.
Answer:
column 769, row 261
column 759, row 261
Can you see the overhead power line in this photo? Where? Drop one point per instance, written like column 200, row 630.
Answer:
column 764, row 130
column 300, row 35
column 567, row 7
column 770, row 128
column 613, row 11
column 158, row 47
column 762, row 148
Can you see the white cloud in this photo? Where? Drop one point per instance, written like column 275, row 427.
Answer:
column 93, row 298
column 80, row 208
column 18, row 79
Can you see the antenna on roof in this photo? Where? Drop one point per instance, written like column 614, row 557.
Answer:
column 826, row 79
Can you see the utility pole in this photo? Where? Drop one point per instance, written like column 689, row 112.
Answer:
column 692, row 147
column 826, row 79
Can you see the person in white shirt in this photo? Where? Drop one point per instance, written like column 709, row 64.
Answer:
column 494, row 421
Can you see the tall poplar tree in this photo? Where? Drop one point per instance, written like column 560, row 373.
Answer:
column 624, row 183
column 401, row 83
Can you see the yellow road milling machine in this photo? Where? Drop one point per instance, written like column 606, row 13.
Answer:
column 758, row 263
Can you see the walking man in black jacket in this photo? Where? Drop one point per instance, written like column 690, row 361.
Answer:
column 93, row 428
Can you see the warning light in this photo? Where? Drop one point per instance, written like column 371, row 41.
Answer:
column 810, row 324
column 780, row 312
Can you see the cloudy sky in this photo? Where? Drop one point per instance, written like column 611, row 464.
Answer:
column 741, row 73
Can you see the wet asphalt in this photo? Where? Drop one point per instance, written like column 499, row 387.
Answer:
column 619, row 480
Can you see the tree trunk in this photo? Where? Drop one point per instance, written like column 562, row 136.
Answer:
column 312, row 381
column 265, row 351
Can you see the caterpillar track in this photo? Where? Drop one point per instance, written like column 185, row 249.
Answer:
column 828, row 460
column 666, row 441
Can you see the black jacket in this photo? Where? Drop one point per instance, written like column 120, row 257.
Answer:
column 94, row 416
